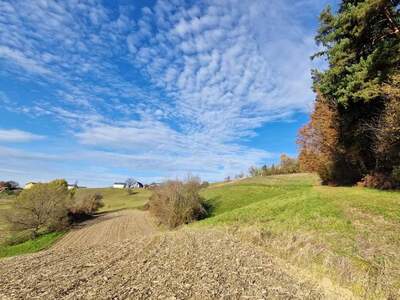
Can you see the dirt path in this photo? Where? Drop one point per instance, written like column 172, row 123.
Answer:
column 109, row 228
column 105, row 261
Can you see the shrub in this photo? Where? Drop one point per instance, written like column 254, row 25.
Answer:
column 43, row 208
column 48, row 207
column 378, row 181
column 396, row 175
column 205, row 184
column 175, row 203
column 83, row 206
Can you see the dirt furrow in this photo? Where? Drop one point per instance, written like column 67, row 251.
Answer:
column 109, row 228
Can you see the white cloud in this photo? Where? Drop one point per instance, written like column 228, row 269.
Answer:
column 200, row 77
column 18, row 136
column 229, row 67
column 20, row 59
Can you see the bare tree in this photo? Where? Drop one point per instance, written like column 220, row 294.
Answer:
column 130, row 183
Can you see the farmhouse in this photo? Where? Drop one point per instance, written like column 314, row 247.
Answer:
column 72, row 186
column 29, row 185
column 138, row 185
column 118, row 185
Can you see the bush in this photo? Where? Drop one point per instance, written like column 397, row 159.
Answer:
column 48, row 207
column 43, row 208
column 175, row 203
column 83, row 206
column 205, row 184
column 378, row 181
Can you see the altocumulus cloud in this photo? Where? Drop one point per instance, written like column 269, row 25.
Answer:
column 207, row 74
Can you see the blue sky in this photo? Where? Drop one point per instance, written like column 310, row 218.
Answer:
column 98, row 91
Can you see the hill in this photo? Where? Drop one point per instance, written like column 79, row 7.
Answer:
column 117, row 199
column 348, row 234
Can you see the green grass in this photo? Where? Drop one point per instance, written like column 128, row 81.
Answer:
column 5, row 201
column 31, row 246
column 116, row 199
column 349, row 234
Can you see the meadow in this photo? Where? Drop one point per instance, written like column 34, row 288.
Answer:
column 4, row 204
column 117, row 199
column 347, row 234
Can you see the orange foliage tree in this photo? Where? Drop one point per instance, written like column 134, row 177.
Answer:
column 318, row 141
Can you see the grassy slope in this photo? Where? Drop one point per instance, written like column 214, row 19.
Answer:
column 348, row 234
column 31, row 246
column 4, row 204
column 116, row 199
column 113, row 199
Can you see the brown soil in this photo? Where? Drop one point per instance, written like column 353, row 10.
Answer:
column 123, row 256
column 109, row 228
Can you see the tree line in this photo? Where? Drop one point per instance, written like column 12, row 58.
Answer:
column 354, row 132
column 286, row 165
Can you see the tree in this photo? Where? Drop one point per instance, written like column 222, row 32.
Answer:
column 8, row 185
column 288, row 164
column 42, row 208
column 318, row 141
column 48, row 207
column 130, row 183
column 361, row 43
column 253, row 171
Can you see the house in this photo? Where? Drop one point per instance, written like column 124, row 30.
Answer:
column 29, row 185
column 72, row 186
column 118, row 185
column 138, row 185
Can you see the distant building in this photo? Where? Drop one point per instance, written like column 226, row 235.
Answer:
column 138, row 185
column 29, row 185
column 72, row 186
column 118, row 185
column 153, row 185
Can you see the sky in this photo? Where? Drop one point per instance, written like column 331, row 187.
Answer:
column 98, row 91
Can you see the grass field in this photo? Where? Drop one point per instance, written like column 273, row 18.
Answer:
column 116, row 199
column 4, row 204
column 348, row 234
